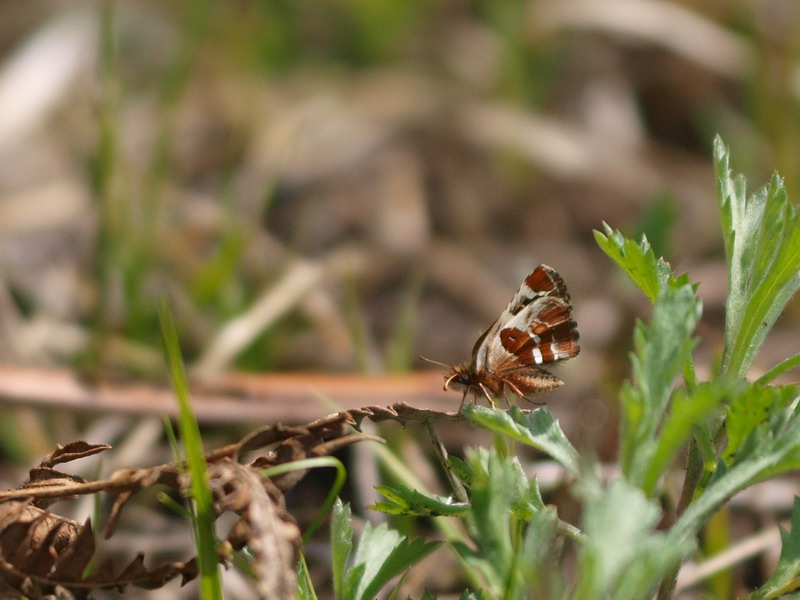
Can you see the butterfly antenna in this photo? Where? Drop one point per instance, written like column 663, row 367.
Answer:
column 435, row 362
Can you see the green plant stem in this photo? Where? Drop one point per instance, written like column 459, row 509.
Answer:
column 779, row 369
column 310, row 463
column 441, row 455
column 304, row 577
column 689, row 375
column 694, row 473
column 514, row 581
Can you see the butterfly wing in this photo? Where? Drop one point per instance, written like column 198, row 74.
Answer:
column 536, row 327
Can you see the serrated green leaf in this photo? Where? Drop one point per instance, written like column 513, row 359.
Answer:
column 662, row 347
column 786, row 577
column 461, row 470
column 353, row 582
column 341, row 545
column 403, row 500
column 380, row 555
column 537, row 428
column 753, row 412
column 762, row 242
column 649, row 273
column 540, row 556
column 687, row 411
column 623, row 556
column 523, row 495
column 769, row 455
column 490, row 520
column 402, row 555
column 305, row 590
column 525, row 501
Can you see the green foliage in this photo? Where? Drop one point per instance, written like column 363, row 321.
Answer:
column 204, row 517
column 733, row 433
column 754, row 415
column 649, row 273
column 537, row 428
column 333, row 493
column 662, row 348
column 786, row 577
column 762, row 242
column 402, row 500
column 623, row 556
column 380, row 555
column 510, row 531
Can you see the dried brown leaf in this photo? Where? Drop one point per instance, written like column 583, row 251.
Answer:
column 72, row 451
column 42, row 552
column 265, row 527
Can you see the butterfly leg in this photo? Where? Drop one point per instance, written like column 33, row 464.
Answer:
column 532, row 401
column 514, row 388
column 519, row 393
column 488, row 396
column 464, row 397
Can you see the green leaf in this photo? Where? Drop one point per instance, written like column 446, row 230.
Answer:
column 524, row 497
column 754, row 412
column 537, row 428
column 203, row 522
column 779, row 369
column 541, row 555
column 762, row 242
column 490, row 520
column 341, row 545
column 770, row 451
column 462, row 471
column 687, row 411
column 786, row 577
column 402, row 500
column 623, row 556
column 305, row 589
column 649, row 273
column 662, row 347
column 381, row 555
column 353, row 582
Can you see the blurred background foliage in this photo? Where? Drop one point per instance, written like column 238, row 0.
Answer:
column 343, row 186
column 346, row 185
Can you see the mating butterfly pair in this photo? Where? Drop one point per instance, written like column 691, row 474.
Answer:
column 536, row 328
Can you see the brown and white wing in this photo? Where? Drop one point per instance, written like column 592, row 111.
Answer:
column 536, row 328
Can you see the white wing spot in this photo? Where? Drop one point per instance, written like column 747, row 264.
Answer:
column 537, row 356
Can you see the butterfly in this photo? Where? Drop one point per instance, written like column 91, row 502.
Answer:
column 536, row 328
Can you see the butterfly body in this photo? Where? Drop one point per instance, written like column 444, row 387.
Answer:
column 536, row 328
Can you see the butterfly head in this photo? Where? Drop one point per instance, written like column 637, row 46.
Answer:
column 461, row 377
column 464, row 378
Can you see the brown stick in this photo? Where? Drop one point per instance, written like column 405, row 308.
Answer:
column 235, row 398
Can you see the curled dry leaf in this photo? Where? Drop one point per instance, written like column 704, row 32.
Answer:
column 44, row 553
